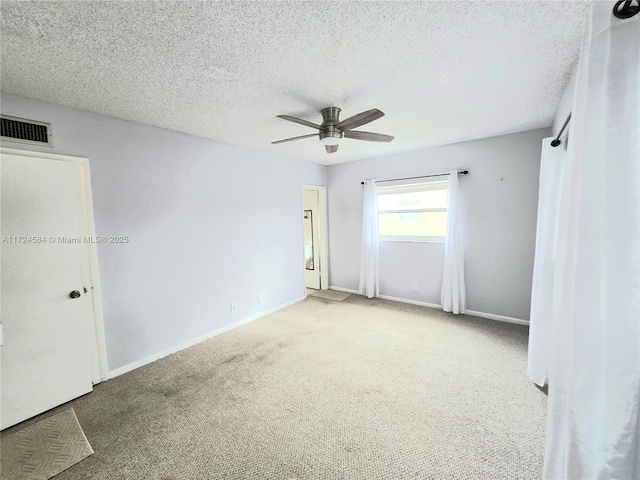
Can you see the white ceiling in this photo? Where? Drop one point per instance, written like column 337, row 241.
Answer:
column 442, row 72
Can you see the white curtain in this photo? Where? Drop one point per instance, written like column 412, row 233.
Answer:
column 452, row 295
column 369, row 273
column 593, row 426
column 551, row 169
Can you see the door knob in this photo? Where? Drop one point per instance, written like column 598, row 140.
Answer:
column 74, row 294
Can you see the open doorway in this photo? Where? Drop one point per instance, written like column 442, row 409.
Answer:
column 315, row 239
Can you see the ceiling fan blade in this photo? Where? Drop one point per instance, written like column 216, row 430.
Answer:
column 368, row 136
column 300, row 121
column 360, row 119
column 295, row 138
column 331, row 148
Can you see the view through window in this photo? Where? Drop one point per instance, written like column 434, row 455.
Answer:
column 415, row 212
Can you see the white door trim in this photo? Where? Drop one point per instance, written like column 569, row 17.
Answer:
column 96, row 293
column 324, row 232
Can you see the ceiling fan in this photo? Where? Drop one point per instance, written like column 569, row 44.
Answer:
column 333, row 129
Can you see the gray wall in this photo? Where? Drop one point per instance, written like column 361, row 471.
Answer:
column 209, row 224
column 499, row 201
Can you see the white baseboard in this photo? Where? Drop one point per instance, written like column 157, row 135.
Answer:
column 473, row 313
column 500, row 318
column 411, row 302
column 152, row 358
column 345, row 290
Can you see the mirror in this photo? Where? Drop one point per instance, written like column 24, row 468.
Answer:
column 308, row 240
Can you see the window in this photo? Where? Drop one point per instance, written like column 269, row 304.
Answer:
column 413, row 213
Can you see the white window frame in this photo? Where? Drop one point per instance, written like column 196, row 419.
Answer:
column 408, row 188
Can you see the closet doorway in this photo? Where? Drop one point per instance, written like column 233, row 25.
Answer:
column 315, row 238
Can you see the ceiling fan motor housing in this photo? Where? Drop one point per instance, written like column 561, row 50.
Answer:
column 330, row 118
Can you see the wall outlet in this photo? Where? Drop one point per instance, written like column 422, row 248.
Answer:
column 414, row 287
column 257, row 299
column 233, row 307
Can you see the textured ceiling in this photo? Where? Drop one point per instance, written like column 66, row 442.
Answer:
column 442, row 72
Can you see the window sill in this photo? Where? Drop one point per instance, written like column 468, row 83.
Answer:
column 412, row 240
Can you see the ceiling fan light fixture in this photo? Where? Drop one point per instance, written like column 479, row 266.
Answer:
column 330, row 136
column 331, row 140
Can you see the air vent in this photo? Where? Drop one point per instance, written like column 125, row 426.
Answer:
column 25, row 131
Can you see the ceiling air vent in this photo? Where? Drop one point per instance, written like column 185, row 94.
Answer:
column 25, row 131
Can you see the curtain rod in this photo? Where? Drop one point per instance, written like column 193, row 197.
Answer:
column 463, row 172
column 556, row 142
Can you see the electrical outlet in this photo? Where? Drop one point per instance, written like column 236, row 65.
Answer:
column 233, row 307
column 415, row 287
column 257, row 299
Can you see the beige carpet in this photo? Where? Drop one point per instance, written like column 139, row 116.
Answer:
column 43, row 449
column 359, row 389
column 328, row 294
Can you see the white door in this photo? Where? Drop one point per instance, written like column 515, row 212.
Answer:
column 311, row 239
column 49, row 354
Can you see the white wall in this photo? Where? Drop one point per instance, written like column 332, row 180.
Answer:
column 566, row 103
column 499, row 200
column 209, row 224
